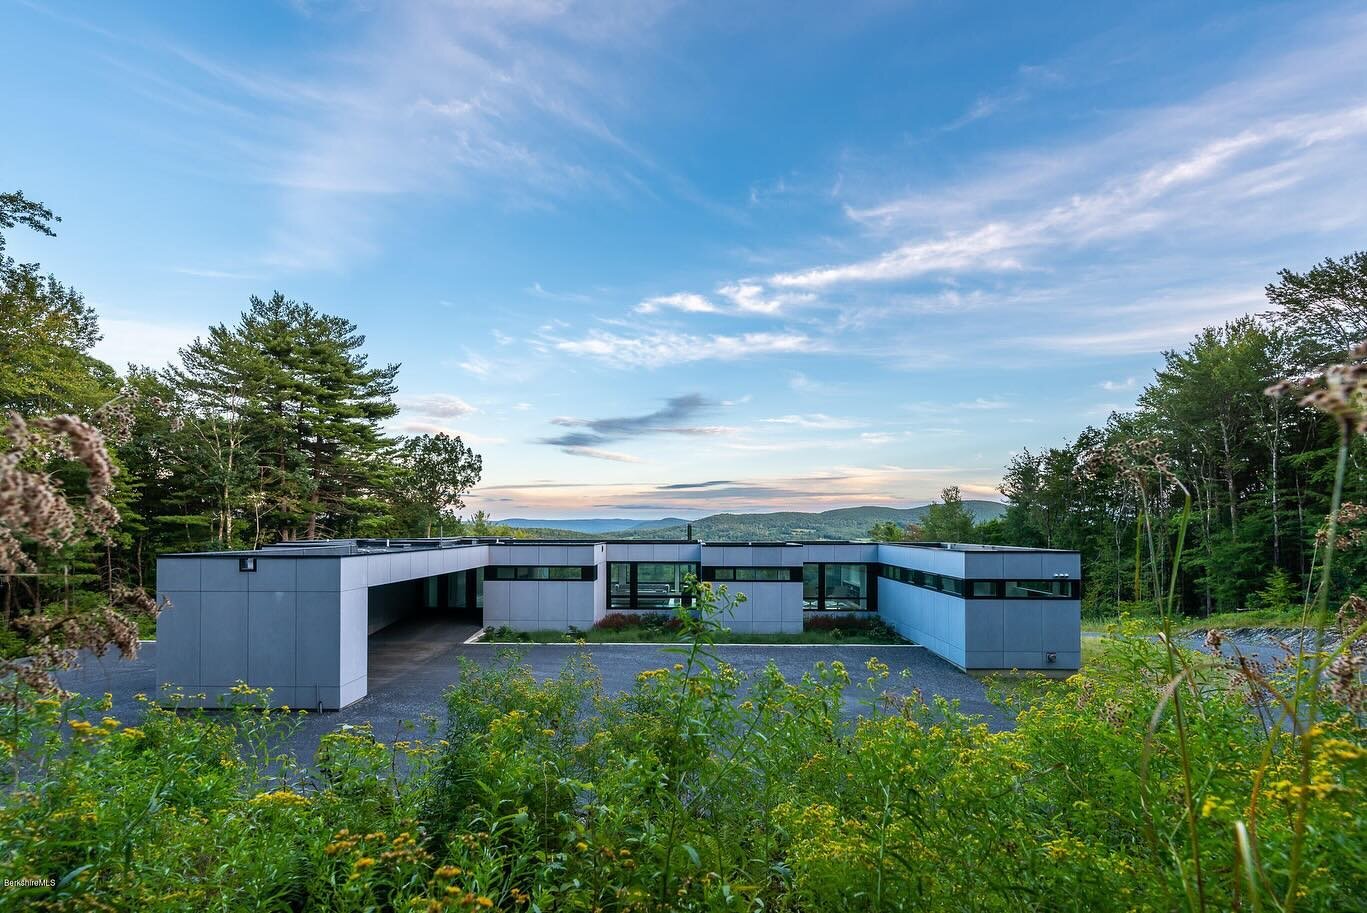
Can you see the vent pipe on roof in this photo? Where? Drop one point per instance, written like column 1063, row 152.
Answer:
column 689, row 535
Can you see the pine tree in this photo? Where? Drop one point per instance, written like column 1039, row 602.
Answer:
column 307, row 408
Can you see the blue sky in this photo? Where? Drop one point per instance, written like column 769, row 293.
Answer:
column 656, row 258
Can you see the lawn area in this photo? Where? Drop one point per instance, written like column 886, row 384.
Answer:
column 1254, row 618
column 648, row 630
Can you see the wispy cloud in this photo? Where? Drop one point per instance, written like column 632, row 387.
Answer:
column 816, row 420
column 1140, row 203
column 884, row 437
column 660, row 348
column 577, row 297
column 1270, row 153
column 476, row 364
column 682, row 486
column 439, row 405
column 510, row 102
column 598, row 453
column 212, row 273
column 750, row 297
column 1029, row 80
column 681, row 301
column 676, row 416
column 429, row 427
column 738, row 299
column 1117, row 385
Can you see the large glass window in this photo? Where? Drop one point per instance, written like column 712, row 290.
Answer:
column 846, row 587
column 660, row 586
column 619, row 585
column 460, row 588
column 648, row 585
column 836, row 587
column 811, row 587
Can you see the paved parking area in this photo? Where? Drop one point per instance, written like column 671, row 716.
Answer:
column 412, row 664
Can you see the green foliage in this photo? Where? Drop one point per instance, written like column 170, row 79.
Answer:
column 270, row 429
column 890, row 531
column 431, row 473
column 307, row 408
column 46, row 330
column 627, row 627
column 1326, row 306
column 1279, row 595
column 1260, row 469
column 702, row 788
column 16, row 209
column 948, row 520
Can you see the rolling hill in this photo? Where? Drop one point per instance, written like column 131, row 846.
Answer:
column 594, row 525
column 840, row 523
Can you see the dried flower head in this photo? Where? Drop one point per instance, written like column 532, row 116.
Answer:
column 1348, row 535
column 35, row 510
column 1345, row 680
column 1352, row 616
column 1138, row 461
column 33, row 505
column 1338, row 390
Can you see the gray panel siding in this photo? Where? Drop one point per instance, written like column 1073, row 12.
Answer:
column 299, row 623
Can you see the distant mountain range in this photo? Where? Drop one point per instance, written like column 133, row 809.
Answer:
column 841, row 523
column 593, row 525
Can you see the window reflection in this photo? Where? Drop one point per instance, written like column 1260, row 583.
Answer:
column 648, row 585
column 1039, row 589
column 835, row 587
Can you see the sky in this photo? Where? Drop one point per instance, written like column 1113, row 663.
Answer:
column 657, row 258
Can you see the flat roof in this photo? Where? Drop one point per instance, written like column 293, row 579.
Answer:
column 346, row 548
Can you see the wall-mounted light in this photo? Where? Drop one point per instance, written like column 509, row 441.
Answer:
column 246, row 564
column 1051, row 657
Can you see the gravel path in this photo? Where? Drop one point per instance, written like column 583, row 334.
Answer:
column 411, row 665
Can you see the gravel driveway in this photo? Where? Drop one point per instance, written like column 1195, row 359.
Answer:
column 411, row 665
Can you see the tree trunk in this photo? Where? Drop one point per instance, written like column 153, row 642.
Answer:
column 1229, row 480
column 1276, row 520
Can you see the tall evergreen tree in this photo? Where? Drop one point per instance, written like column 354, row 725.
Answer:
column 306, row 410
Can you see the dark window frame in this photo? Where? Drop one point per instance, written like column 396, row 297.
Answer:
column 632, row 601
column 781, row 574
column 528, row 573
column 974, row 587
column 870, row 599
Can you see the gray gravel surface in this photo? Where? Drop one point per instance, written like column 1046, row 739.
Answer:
column 411, row 665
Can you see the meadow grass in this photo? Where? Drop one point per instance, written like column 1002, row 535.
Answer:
column 700, row 789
